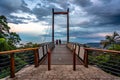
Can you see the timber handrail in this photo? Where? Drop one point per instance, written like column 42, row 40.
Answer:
column 18, row 50
column 95, row 49
column 102, row 50
column 12, row 59
column 85, row 60
column 12, row 54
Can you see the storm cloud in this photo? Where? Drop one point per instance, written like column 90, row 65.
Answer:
column 90, row 20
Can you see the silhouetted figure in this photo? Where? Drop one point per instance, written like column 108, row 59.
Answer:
column 56, row 42
column 60, row 41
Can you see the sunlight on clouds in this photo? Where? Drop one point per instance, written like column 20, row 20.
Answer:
column 30, row 28
column 99, row 34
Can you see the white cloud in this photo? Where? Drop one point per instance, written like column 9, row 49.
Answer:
column 20, row 13
column 103, row 34
column 32, row 28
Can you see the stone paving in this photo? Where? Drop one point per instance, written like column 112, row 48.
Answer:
column 62, row 72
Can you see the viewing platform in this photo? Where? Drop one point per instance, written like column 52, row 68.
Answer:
column 62, row 67
column 62, row 72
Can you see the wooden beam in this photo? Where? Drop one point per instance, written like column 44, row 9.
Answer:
column 19, row 50
column 53, row 25
column 68, row 26
column 60, row 13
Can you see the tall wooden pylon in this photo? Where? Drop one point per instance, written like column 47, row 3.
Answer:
column 64, row 13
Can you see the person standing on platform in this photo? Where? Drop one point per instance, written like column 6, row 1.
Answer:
column 60, row 41
column 56, row 42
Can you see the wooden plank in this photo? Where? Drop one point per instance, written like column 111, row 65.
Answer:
column 61, row 55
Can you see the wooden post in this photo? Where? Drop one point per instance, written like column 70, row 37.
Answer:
column 12, row 65
column 36, row 58
column 74, row 60
column 46, row 48
column 79, row 51
column 49, row 59
column 67, row 25
column 86, row 59
column 64, row 13
column 53, row 25
column 43, row 50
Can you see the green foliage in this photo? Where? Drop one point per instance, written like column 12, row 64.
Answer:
column 29, row 45
column 110, row 40
column 114, row 47
column 4, row 45
column 100, row 58
column 8, row 41
column 5, row 72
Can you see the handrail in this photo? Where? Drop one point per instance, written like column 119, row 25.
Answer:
column 85, row 60
column 18, row 50
column 36, row 55
column 102, row 50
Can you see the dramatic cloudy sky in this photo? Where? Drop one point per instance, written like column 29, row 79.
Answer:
column 90, row 20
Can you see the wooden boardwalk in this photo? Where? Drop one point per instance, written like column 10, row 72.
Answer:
column 61, row 55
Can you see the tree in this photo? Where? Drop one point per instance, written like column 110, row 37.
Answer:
column 13, row 38
column 110, row 40
column 7, row 39
column 4, row 28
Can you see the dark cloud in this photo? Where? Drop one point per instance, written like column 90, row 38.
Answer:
column 105, row 16
column 83, row 3
column 108, row 12
column 9, row 6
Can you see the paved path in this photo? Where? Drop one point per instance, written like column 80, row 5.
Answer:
column 62, row 72
column 62, row 55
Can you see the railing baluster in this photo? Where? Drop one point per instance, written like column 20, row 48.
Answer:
column 12, row 65
column 36, row 58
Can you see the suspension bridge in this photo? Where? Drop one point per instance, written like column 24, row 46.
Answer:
column 65, row 61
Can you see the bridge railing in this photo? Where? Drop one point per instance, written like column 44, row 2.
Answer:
column 107, row 60
column 14, row 60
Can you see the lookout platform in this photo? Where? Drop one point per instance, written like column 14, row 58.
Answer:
column 62, row 69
